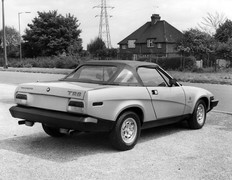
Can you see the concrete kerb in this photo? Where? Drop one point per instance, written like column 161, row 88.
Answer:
column 223, row 112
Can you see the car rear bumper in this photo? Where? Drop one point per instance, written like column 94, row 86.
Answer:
column 61, row 119
column 213, row 103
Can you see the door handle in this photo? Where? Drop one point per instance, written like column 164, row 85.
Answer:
column 154, row 92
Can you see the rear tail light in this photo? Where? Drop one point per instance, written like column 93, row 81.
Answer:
column 21, row 99
column 75, row 106
column 21, row 96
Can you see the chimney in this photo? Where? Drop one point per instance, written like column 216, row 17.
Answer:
column 155, row 18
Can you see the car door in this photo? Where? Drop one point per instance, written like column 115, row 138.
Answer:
column 168, row 101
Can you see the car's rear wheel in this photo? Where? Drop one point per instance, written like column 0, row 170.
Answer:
column 198, row 117
column 51, row 131
column 126, row 131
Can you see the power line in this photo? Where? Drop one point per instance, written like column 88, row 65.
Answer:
column 104, row 31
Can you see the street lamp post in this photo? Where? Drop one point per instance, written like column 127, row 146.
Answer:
column 4, row 37
column 20, row 41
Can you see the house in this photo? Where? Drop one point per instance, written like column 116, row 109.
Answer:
column 156, row 38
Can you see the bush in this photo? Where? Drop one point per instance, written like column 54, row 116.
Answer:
column 173, row 63
column 16, row 64
column 28, row 65
column 197, row 70
column 59, row 63
column 189, row 63
column 67, row 62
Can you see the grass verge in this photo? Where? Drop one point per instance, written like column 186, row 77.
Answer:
column 210, row 78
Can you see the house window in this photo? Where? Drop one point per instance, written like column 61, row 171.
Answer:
column 131, row 43
column 124, row 46
column 159, row 45
column 150, row 42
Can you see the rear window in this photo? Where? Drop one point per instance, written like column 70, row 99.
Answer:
column 90, row 73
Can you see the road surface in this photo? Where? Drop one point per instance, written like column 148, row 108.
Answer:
column 7, row 77
column 221, row 92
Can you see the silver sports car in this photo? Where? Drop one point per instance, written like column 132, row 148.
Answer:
column 121, row 97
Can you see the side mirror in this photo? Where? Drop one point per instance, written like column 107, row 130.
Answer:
column 172, row 82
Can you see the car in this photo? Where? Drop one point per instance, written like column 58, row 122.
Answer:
column 120, row 97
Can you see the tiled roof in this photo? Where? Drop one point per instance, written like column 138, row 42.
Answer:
column 161, row 31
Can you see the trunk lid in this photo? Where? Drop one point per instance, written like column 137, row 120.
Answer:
column 54, row 95
column 60, row 89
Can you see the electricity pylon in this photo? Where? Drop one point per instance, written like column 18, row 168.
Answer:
column 104, row 31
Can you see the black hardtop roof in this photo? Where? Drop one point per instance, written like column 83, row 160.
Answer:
column 133, row 64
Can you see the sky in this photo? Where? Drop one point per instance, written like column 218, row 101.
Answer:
column 127, row 15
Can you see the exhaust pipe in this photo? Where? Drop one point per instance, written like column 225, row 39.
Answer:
column 21, row 122
column 68, row 131
column 27, row 123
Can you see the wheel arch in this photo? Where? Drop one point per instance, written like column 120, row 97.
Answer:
column 137, row 110
column 206, row 101
column 198, row 117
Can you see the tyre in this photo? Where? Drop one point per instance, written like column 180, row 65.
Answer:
column 51, row 131
column 126, row 131
column 198, row 117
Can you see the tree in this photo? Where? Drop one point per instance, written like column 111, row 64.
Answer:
column 195, row 42
column 224, row 32
column 97, row 48
column 211, row 22
column 224, row 50
column 52, row 34
column 112, row 53
column 12, row 41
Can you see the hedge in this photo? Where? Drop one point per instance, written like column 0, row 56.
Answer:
column 67, row 62
column 173, row 63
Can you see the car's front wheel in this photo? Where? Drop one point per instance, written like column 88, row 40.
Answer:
column 51, row 131
column 197, row 120
column 126, row 132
